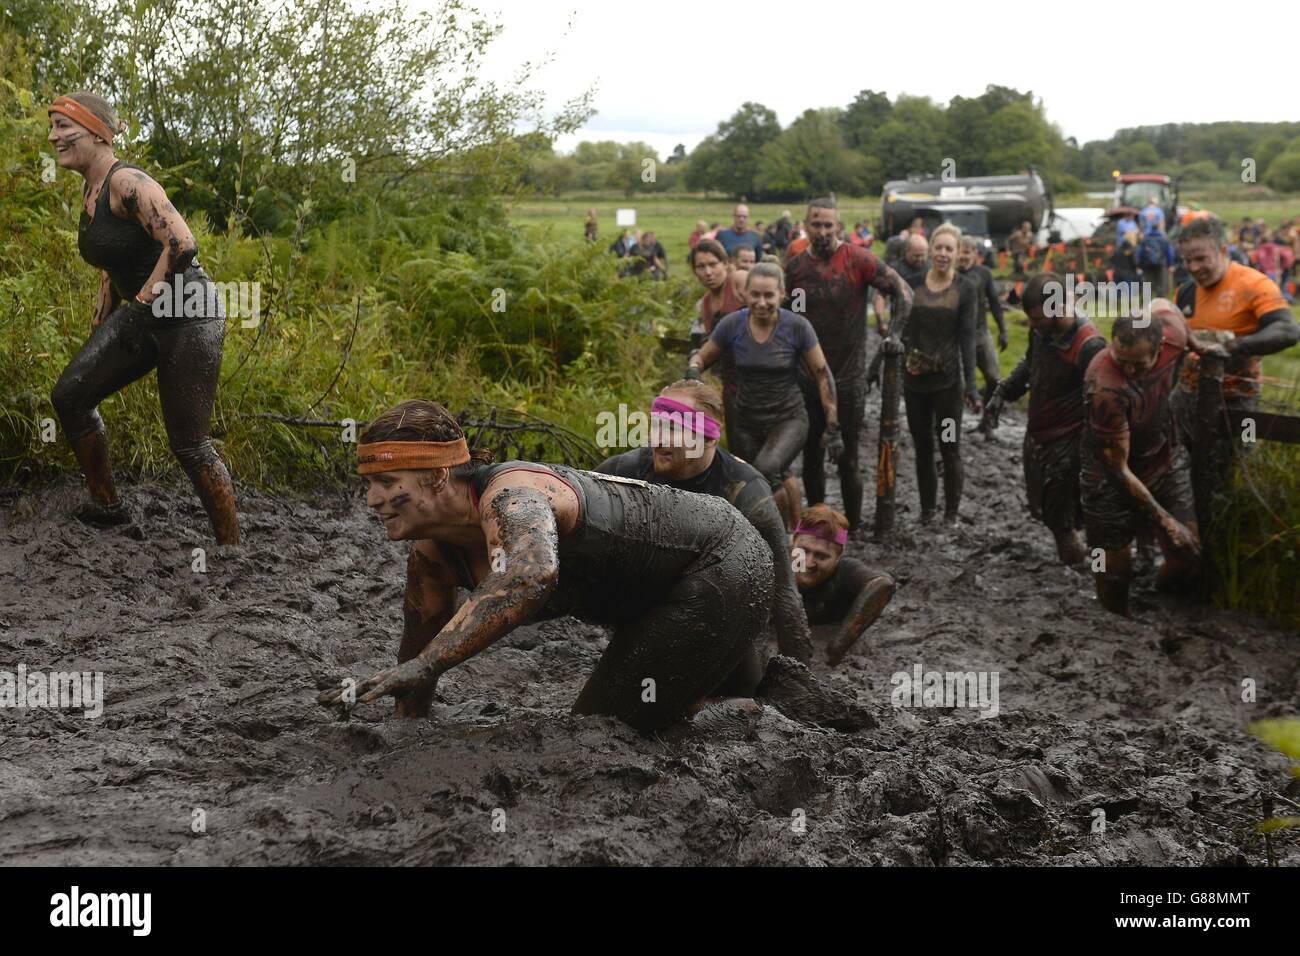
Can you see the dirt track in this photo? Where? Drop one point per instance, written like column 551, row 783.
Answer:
column 210, row 682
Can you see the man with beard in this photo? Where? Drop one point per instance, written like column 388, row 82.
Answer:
column 832, row 282
column 684, row 453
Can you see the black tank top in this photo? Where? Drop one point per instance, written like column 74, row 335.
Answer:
column 932, row 338
column 632, row 541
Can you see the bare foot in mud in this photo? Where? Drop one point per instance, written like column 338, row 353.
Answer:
column 793, row 690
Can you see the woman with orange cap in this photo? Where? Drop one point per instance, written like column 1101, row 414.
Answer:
column 169, row 317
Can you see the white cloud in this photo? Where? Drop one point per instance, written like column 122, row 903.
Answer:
column 669, row 71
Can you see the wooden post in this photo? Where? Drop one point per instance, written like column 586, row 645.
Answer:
column 891, row 390
column 1209, row 461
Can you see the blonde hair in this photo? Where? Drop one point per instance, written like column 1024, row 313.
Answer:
column 946, row 229
column 766, row 270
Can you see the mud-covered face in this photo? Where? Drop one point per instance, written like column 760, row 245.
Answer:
column 1134, row 359
column 943, row 252
column 407, row 502
column 710, row 270
column 75, row 147
column 676, row 452
column 819, row 559
column 1205, row 262
column 764, row 294
column 822, row 226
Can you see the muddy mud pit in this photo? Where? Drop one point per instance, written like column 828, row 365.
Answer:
column 210, row 682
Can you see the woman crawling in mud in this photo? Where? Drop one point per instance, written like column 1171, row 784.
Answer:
column 136, row 237
column 836, row 590
column 683, row 581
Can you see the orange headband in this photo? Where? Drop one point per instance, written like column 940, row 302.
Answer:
column 374, row 457
column 81, row 116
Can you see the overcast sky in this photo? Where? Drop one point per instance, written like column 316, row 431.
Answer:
column 668, row 71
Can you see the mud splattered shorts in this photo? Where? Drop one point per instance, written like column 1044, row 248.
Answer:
column 1111, row 517
column 1052, row 482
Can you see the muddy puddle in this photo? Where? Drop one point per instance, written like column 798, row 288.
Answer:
column 211, row 750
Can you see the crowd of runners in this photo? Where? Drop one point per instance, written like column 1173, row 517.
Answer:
column 692, row 554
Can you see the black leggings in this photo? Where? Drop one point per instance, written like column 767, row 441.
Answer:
column 771, row 449
column 928, row 414
column 122, row 349
column 689, row 642
column 850, row 409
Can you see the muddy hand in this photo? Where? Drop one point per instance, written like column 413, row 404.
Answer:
column 1179, row 538
column 992, row 413
column 833, row 442
column 416, row 674
column 973, row 402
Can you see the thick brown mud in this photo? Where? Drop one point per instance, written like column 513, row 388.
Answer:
column 212, row 750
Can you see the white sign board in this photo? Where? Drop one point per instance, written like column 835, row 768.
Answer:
column 625, row 217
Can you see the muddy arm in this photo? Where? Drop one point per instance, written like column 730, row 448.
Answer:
column 874, row 592
column 1114, row 457
column 146, row 202
column 519, row 522
column 429, row 604
column 1016, row 384
column 1277, row 331
column 788, row 617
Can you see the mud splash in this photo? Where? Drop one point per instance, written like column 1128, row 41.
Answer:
column 210, row 719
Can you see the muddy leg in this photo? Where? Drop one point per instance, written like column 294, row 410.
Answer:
column 871, row 602
column 1070, row 548
column 920, row 424
column 1112, row 582
column 188, row 368
column 115, row 355
column 793, row 504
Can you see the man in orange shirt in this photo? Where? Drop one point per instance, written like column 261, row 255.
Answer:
column 1238, row 314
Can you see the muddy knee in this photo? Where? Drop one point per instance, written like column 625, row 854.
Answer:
column 71, row 407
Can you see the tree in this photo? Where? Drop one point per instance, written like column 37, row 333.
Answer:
column 810, row 158
column 1284, row 173
column 728, row 160
column 867, row 113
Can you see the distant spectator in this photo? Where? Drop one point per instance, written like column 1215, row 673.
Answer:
column 1273, row 258
column 1155, row 257
column 915, row 262
column 1124, row 263
column 650, row 251
column 895, row 246
column 622, row 246
column 771, row 240
column 1153, row 217
column 740, row 234
column 589, row 230
column 701, row 230
column 917, row 228
column 1019, row 244
column 781, row 231
column 1127, row 224
column 713, row 231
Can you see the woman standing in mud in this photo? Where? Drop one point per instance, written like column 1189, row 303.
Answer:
column 769, row 344
column 131, row 232
column 683, row 581
column 939, row 356
column 724, row 293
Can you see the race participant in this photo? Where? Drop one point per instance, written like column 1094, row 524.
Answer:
column 683, row 581
column 743, row 259
column 833, row 281
column 132, row 232
column 684, row 453
column 835, row 589
column 987, row 359
column 914, row 264
column 940, row 355
column 724, row 293
column 740, row 234
column 1019, row 244
column 1134, row 472
column 1061, row 346
column 770, row 344
column 1236, row 313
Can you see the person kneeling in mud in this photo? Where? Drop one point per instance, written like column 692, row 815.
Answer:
column 835, row 589
column 1134, row 471
column 684, row 453
column 682, row 580
column 1061, row 347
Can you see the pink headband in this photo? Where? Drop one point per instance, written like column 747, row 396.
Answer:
column 689, row 418
column 840, row 537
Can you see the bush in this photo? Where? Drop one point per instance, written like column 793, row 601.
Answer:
column 1284, row 173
